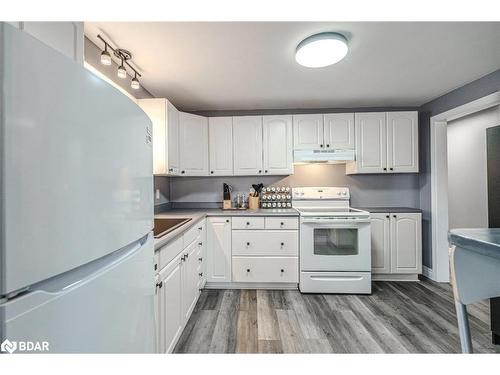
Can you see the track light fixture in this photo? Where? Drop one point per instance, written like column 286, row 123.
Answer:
column 124, row 57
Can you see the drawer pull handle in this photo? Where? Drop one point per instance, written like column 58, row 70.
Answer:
column 200, row 259
column 248, row 269
column 248, row 243
column 394, row 216
column 387, row 216
column 282, row 244
column 282, row 270
column 248, row 223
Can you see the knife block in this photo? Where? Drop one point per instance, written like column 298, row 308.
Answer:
column 253, row 203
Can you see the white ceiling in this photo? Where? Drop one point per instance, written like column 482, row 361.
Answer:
column 251, row 65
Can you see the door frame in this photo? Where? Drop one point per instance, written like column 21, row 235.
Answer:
column 439, row 181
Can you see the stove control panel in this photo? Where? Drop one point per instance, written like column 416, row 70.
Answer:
column 327, row 193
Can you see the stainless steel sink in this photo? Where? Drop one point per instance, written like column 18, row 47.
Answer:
column 167, row 225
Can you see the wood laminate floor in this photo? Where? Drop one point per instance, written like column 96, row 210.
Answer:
column 399, row 317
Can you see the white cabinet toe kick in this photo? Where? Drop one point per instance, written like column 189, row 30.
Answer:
column 336, row 282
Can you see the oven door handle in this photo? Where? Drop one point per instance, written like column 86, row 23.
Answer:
column 335, row 221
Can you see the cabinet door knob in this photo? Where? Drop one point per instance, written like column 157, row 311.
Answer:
column 183, row 172
column 385, row 169
column 248, row 269
column 394, row 215
column 248, row 243
column 387, row 216
column 200, row 228
column 260, row 170
column 265, row 171
column 248, row 223
column 160, row 284
column 200, row 243
column 156, row 266
column 282, row 223
column 321, row 146
column 170, row 169
column 211, row 172
column 282, row 270
column 327, row 145
column 186, row 255
column 282, row 244
column 391, row 169
column 200, row 259
column 200, row 274
column 227, row 220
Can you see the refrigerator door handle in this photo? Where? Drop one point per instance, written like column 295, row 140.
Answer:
column 67, row 281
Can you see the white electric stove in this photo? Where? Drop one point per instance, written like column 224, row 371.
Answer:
column 335, row 244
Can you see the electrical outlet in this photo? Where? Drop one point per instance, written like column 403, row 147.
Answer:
column 157, row 193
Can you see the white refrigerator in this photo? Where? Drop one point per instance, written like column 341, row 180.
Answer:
column 76, row 206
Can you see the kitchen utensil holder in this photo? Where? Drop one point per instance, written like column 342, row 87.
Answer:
column 253, row 203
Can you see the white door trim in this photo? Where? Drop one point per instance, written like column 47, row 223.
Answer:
column 439, row 181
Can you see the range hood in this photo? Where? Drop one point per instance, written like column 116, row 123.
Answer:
column 323, row 156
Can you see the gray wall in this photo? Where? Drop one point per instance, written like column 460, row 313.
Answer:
column 366, row 190
column 467, row 93
column 467, row 169
column 93, row 57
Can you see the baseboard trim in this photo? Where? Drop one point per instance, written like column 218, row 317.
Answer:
column 427, row 272
column 274, row 286
column 394, row 277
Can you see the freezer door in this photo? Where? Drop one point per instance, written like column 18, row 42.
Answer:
column 106, row 306
column 76, row 164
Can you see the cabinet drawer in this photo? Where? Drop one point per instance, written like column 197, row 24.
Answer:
column 282, row 223
column 262, row 242
column 169, row 252
column 192, row 234
column 248, row 223
column 266, row 269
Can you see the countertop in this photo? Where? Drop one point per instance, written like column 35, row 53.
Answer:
column 197, row 214
column 483, row 241
column 395, row 210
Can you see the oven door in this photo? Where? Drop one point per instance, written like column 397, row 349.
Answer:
column 335, row 245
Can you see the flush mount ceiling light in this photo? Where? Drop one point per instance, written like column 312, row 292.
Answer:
column 124, row 56
column 321, row 50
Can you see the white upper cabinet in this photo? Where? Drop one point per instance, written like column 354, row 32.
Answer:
column 66, row 37
column 220, row 130
column 165, row 119
column 277, row 142
column 402, row 141
column 193, row 145
column 339, row 131
column 386, row 142
column 172, row 139
column 247, row 145
column 308, row 132
column 371, row 143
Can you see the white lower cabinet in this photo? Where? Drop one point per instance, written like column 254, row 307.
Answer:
column 178, row 286
column 396, row 243
column 406, row 243
column 170, row 315
column 265, row 269
column 219, row 249
column 381, row 249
